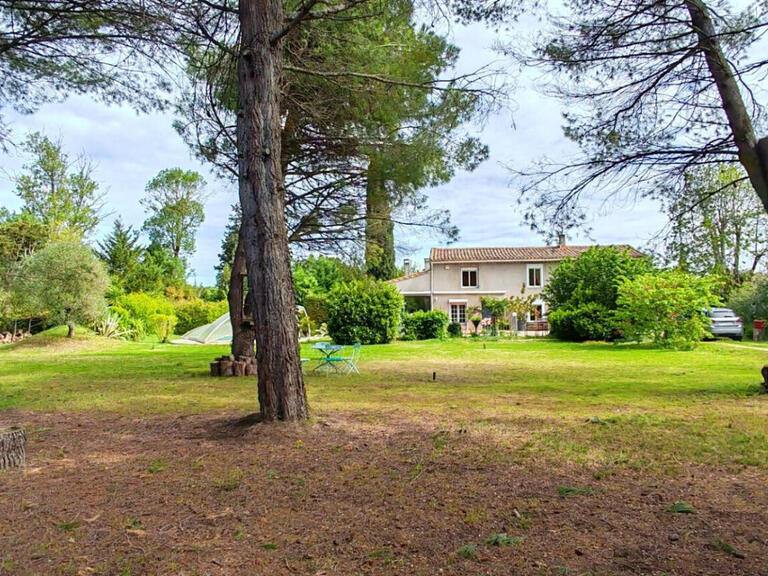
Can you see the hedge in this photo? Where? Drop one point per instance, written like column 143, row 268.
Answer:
column 364, row 311
column 421, row 325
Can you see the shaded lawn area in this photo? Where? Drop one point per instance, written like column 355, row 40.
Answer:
column 575, row 451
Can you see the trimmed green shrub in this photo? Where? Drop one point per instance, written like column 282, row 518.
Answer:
column 196, row 312
column 591, row 321
column 454, row 330
column 422, row 325
column 363, row 311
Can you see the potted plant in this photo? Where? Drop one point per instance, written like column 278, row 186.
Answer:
column 476, row 319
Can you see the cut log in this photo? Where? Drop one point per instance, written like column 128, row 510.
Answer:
column 12, row 453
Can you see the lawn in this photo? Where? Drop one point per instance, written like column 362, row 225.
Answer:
column 575, row 451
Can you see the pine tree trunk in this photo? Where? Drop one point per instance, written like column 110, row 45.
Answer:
column 70, row 329
column 753, row 155
column 281, row 386
column 379, row 228
column 240, row 311
column 12, row 452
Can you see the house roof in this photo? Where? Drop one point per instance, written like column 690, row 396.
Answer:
column 516, row 254
column 409, row 276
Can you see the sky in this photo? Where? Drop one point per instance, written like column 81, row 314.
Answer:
column 128, row 149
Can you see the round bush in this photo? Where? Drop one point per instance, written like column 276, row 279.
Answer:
column 589, row 321
column 454, row 330
column 364, row 311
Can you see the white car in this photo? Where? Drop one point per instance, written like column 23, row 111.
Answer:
column 724, row 323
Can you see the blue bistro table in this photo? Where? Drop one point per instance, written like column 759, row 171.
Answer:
column 328, row 360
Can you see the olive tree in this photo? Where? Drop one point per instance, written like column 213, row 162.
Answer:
column 64, row 282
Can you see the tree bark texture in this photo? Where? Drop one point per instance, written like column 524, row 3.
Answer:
column 281, row 386
column 379, row 228
column 240, row 308
column 753, row 155
column 12, row 452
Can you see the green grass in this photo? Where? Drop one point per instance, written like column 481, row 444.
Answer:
column 540, row 398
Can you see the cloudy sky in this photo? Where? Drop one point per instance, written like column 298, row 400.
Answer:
column 129, row 149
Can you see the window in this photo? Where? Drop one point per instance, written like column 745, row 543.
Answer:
column 534, row 276
column 459, row 313
column 469, row 277
column 537, row 313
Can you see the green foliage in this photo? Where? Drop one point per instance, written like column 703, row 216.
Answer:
column 501, row 539
column 174, row 201
column 142, row 314
column 666, row 307
column 364, row 311
column 109, row 326
column 454, row 330
column 682, row 507
column 521, row 306
column 316, row 307
column 59, row 193
column 750, row 301
column 20, row 235
column 314, row 278
column 64, row 282
column 377, row 108
column 157, row 271
column 327, row 272
column 497, row 308
column 592, row 277
column 422, row 325
column 304, row 283
column 196, row 312
column 728, row 549
column 570, row 491
column 120, row 251
column 162, row 325
column 582, row 292
column 719, row 225
column 228, row 248
column 590, row 321
column 468, row 552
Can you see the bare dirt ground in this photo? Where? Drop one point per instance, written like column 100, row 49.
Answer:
column 354, row 494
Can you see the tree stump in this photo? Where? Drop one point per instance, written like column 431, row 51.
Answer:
column 230, row 365
column 12, row 453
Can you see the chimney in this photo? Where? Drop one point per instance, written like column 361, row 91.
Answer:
column 426, row 263
column 407, row 266
column 560, row 239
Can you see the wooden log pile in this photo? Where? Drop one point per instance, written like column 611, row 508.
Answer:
column 8, row 337
column 12, row 453
column 230, row 365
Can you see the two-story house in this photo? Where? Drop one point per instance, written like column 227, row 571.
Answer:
column 454, row 279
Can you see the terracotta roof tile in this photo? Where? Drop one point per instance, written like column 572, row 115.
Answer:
column 516, row 254
column 408, row 276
